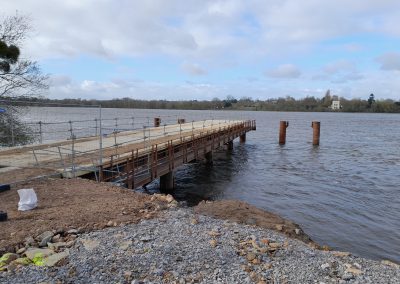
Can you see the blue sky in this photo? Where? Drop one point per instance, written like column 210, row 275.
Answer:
column 198, row 49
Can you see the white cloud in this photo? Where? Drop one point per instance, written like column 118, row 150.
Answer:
column 193, row 69
column 390, row 61
column 284, row 71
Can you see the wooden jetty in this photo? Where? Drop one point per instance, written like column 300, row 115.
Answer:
column 132, row 157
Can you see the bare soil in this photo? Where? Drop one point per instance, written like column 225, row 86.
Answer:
column 71, row 204
column 244, row 213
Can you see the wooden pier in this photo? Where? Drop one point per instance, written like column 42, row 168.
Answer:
column 132, row 157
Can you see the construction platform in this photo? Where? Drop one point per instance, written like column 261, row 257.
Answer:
column 132, row 157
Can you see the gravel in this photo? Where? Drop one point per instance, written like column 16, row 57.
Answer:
column 182, row 247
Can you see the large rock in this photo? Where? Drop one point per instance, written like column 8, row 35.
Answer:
column 55, row 258
column 45, row 238
column 7, row 258
column 38, row 252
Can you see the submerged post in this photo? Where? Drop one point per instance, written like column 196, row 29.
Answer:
column 282, row 132
column 243, row 138
column 181, row 120
column 157, row 122
column 316, row 126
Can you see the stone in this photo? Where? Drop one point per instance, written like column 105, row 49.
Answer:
column 340, row 253
column 29, row 241
column 274, row 245
column 110, row 223
column 72, row 231
column 55, row 258
column 38, row 252
column 169, row 198
column 325, row 266
column 21, row 250
column 22, row 261
column 389, row 263
column 194, row 221
column 57, row 246
column 90, row 244
column 214, row 233
column 69, row 244
column 8, row 258
column 251, row 256
column 297, row 231
column 213, row 243
column 354, row 271
column 279, row 227
column 44, row 238
column 56, row 238
column 125, row 245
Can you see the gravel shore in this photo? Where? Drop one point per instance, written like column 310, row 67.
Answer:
column 181, row 246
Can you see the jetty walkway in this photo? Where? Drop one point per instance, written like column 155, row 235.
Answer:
column 132, row 157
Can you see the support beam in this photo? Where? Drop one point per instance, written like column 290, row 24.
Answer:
column 167, row 182
column 243, row 138
column 209, row 158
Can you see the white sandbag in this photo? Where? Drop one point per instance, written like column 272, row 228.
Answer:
column 27, row 199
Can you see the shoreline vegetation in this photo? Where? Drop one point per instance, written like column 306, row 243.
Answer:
column 307, row 104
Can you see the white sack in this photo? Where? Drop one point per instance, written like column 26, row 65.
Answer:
column 27, row 199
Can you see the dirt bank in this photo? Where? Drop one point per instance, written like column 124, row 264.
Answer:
column 244, row 213
column 71, row 203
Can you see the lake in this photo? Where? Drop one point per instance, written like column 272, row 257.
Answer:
column 344, row 193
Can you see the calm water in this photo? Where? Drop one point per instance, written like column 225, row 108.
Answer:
column 344, row 193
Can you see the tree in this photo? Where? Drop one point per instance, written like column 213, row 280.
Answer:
column 371, row 100
column 19, row 77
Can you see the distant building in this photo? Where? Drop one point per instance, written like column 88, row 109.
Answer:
column 336, row 103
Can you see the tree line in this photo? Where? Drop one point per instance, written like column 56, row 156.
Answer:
column 307, row 104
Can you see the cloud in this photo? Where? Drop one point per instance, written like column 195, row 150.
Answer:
column 288, row 71
column 339, row 66
column 390, row 61
column 60, row 80
column 193, row 69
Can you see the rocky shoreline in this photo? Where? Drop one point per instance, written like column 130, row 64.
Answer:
column 105, row 234
column 181, row 246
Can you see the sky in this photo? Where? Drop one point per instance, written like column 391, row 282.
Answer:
column 200, row 50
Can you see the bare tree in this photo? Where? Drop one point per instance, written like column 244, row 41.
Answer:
column 18, row 76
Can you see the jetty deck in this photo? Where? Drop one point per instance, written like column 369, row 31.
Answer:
column 134, row 157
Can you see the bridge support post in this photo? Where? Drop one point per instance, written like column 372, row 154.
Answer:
column 243, row 138
column 230, row 145
column 167, row 183
column 316, row 125
column 157, row 122
column 209, row 158
column 282, row 132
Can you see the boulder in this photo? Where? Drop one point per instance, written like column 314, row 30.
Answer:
column 44, row 238
column 55, row 258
